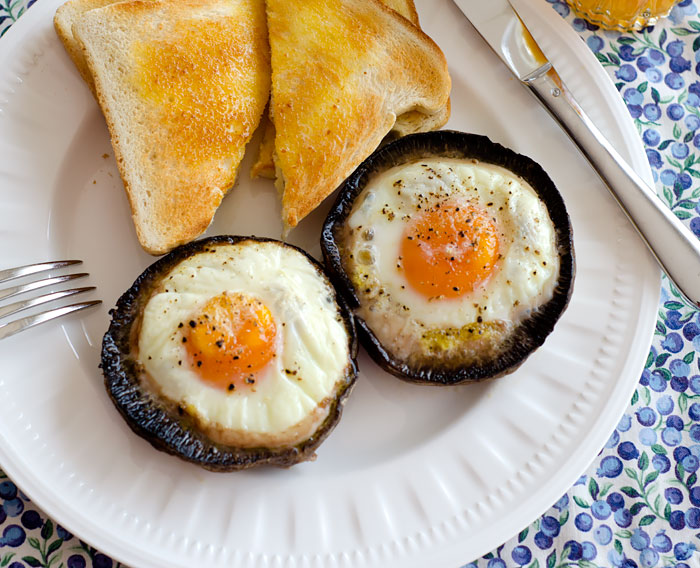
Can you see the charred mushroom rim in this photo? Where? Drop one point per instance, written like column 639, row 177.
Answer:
column 530, row 333
column 162, row 422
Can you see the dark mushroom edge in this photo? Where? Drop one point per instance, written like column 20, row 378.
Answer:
column 530, row 333
column 157, row 420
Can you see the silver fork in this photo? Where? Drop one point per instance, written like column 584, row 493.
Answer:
column 15, row 326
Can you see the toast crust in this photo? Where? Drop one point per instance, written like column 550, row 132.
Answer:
column 264, row 165
column 342, row 71
column 406, row 8
column 182, row 85
column 64, row 18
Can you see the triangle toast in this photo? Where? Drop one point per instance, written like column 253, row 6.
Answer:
column 182, row 85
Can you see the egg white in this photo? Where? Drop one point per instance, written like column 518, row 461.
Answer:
column 290, row 398
column 524, row 277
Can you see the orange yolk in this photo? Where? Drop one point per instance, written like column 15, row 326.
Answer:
column 449, row 251
column 230, row 340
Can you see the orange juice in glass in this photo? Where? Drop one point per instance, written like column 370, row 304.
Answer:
column 622, row 14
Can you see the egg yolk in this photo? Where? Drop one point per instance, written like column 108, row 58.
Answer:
column 449, row 251
column 230, row 340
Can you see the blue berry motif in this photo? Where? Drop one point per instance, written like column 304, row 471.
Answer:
column 615, row 500
column 583, row 522
column 610, row 466
column 627, row 451
column 521, row 555
column 661, row 542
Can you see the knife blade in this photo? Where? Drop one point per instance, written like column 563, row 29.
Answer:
column 498, row 24
column 513, row 29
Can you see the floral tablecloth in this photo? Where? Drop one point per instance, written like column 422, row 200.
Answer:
column 638, row 504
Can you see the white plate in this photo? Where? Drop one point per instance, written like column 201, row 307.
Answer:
column 412, row 476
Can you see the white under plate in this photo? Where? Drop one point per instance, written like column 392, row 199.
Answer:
column 412, row 476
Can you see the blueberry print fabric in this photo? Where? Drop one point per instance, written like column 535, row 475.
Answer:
column 638, row 504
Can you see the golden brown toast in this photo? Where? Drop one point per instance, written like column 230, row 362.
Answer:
column 264, row 165
column 182, row 85
column 342, row 72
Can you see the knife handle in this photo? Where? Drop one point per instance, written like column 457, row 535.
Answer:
column 674, row 246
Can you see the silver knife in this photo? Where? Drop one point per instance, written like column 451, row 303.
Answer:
column 505, row 26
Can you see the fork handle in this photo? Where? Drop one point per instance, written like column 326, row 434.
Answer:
column 673, row 245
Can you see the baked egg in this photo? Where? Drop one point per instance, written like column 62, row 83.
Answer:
column 455, row 255
column 231, row 352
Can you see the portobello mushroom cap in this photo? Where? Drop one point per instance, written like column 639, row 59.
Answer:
column 163, row 422
column 528, row 334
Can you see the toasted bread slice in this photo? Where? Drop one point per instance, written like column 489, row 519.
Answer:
column 342, row 71
column 66, row 15
column 412, row 121
column 182, row 85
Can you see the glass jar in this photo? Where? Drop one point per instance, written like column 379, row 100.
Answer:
column 622, row 14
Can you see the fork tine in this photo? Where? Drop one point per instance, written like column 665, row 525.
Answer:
column 8, row 329
column 26, row 304
column 14, row 290
column 11, row 273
